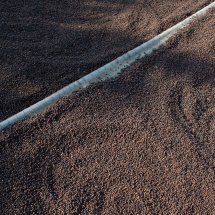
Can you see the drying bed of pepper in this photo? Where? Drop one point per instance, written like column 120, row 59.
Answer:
column 142, row 143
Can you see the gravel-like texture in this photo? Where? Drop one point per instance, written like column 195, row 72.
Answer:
column 46, row 45
column 143, row 143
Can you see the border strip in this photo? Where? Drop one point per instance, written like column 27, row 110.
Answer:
column 107, row 71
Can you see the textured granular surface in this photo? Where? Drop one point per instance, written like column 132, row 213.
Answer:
column 140, row 144
column 46, row 45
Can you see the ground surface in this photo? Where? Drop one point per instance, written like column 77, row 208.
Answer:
column 140, row 144
column 46, row 45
